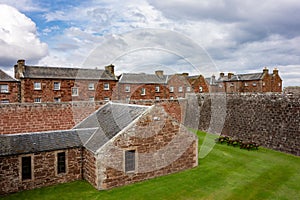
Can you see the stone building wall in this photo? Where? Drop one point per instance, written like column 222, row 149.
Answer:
column 89, row 167
column 24, row 118
column 12, row 96
column 162, row 146
column 272, row 120
column 43, row 168
column 47, row 92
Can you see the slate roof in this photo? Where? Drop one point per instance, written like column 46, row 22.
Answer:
column 66, row 73
column 6, row 78
column 109, row 121
column 243, row 77
column 14, row 144
column 143, row 78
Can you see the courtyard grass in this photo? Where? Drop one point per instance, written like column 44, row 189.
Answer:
column 225, row 173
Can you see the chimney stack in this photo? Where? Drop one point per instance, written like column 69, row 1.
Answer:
column 221, row 75
column 230, row 75
column 159, row 73
column 185, row 74
column 265, row 70
column 275, row 71
column 19, row 69
column 110, row 68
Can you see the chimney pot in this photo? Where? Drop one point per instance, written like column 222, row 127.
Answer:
column 230, row 75
column 221, row 74
column 185, row 74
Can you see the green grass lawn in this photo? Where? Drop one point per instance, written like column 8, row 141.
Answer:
column 225, row 173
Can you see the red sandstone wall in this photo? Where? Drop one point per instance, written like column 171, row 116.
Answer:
column 89, row 167
column 44, row 171
column 12, row 95
column 25, row 118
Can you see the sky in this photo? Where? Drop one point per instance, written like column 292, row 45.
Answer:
column 195, row 36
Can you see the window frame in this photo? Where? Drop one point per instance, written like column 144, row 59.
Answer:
column 3, row 90
column 61, row 165
column 143, row 91
column 106, row 99
column 54, row 83
column 91, row 88
column 57, row 99
column 106, row 86
column 188, row 89
column 30, row 170
column 77, row 91
column 171, row 89
column 127, row 88
column 130, row 155
column 200, row 89
column 37, row 100
column 37, row 88
column 180, row 89
column 91, row 99
column 157, row 88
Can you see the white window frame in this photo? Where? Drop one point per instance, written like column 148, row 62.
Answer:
column 3, row 101
column 246, row 84
column 254, row 84
column 157, row 88
column 54, row 83
column 200, row 89
column 171, row 97
column 143, row 91
column 75, row 89
column 180, row 89
column 4, row 90
column 171, row 89
column 157, row 98
column 263, row 84
column 91, row 86
column 92, row 99
column 106, row 86
column 106, row 98
column 127, row 88
column 279, row 84
column 188, row 88
column 37, row 85
column 37, row 100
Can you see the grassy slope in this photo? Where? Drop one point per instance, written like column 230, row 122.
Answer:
column 225, row 173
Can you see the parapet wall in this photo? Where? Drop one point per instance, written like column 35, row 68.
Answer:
column 272, row 120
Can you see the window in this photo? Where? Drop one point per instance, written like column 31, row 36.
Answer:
column 37, row 100
column 171, row 89
column 26, row 168
column 106, row 98
column 171, row 97
column 188, row 89
column 156, row 88
column 263, row 84
column 74, row 91
column 91, row 86
column 200, row 89
column 254, row 84
column 279, row 84
column 129, row 161
column 56, row 85
column 220, row 85
column 61, row 162
column 56, row 99
column 127, row 99
column 4, row 88
column 143, row 91
column 127, row 88
column 156, row 98
column 231, row 84
column 91, row 98
column 106, row 86
column 180, row 89
column 37, row 86
column 246, row 84
column 4, row 101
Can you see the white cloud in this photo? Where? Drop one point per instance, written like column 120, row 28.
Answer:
column 18, row 37
column 23, row 5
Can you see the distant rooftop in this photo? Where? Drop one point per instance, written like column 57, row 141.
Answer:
column 5, row 77
column 66, row 73
column 143, row 78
